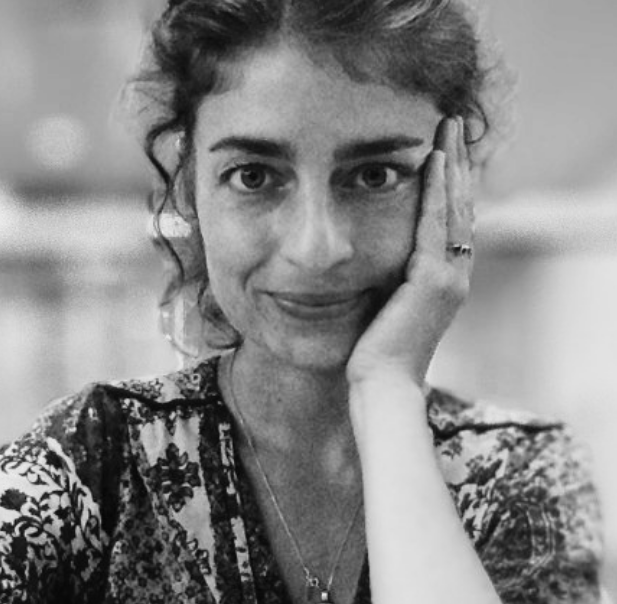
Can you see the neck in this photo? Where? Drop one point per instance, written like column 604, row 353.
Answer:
column 289, row 408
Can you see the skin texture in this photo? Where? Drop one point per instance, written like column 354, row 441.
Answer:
column 331, row 260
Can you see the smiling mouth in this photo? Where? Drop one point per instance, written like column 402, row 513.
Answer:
column 320, row 306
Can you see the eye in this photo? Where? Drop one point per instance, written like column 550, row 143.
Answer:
column 375, row 177
column 251, row 178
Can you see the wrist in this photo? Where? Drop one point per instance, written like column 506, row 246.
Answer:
column 387, row 404
column 359, row 374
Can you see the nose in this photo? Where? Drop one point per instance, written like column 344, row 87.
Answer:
column 316, row 234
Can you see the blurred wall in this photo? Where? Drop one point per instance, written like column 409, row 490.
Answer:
column 565, row 53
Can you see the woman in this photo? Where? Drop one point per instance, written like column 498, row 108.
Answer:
column 324, row 170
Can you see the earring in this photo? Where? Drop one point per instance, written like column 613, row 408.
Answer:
column 179, row 144
column 173, row 226
column 179, row 317
column 182, row 326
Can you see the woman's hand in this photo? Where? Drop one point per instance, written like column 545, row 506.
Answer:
column 406, row 332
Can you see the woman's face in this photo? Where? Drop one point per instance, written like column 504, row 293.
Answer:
column 307, row 188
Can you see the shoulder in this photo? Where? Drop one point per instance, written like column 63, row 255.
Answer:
column 449, row 414
column 101, row 407
column 88, row 433
column 519, row 451
column 523, row 487
column 197, row 384
column 470, row 434
column 81, row 471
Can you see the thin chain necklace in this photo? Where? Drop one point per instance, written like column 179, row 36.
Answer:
column 314, row 586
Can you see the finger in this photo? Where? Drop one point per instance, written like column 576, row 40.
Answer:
column 459, row 217
column 463, row 151
column 460, row 246
column 461, row 180
column 441, row 135
column 465, row 167
column 431, row 233
column 460, row 203
column 453, row 172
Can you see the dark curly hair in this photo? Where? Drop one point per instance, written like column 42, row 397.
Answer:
column 422, row 46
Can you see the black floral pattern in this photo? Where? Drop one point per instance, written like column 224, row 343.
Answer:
column 176, row 476
column 13, row 499
column 129, row 493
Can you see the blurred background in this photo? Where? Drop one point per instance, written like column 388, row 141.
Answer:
column 79, row 280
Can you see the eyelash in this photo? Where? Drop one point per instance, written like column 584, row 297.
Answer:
column 402, row 172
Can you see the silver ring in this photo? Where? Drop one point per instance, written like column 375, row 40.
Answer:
column 460, row 249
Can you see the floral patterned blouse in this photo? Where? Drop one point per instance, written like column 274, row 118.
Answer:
column 132, row 492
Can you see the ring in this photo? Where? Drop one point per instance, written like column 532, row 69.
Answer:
column 460, row 249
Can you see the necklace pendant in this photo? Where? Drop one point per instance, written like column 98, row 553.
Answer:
column 324, row 597
column 318, row 595
column 315, row 592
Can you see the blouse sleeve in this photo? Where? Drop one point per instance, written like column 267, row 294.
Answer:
column 545, row 546
column 50, row 526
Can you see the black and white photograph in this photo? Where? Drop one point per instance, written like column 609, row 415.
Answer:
column 308, row 302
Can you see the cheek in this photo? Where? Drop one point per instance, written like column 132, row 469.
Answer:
column 225, row 275
column 222, row 246
column 232, row 250
column 389, row 237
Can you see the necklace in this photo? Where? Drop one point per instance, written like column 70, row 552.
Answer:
column 316, row 591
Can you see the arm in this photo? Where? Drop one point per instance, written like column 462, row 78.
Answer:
column 418, row 549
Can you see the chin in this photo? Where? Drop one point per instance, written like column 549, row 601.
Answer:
column 317, row 352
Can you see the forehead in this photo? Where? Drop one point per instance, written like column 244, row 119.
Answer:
column 279, row 91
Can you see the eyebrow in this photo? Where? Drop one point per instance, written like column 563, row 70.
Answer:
column 349, row 151
column 254, row 146
column 383, row 146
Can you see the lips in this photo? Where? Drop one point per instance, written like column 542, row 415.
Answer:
column 320, row 306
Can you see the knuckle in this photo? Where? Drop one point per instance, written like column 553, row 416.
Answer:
column 435, row 275
column 444, row 280
column 451, row 284
column 428, row 267
column 460, row 288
